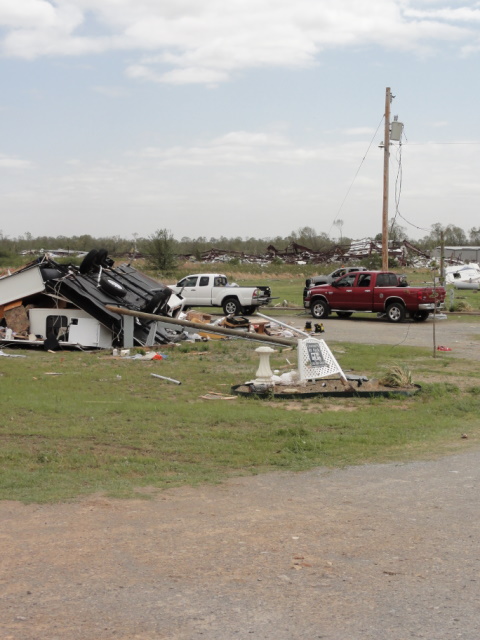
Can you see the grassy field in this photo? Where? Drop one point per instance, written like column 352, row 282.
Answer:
column 75, row 423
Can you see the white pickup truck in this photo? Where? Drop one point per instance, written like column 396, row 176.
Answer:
column 214, row 290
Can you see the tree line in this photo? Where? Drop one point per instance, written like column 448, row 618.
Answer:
column 163, row 241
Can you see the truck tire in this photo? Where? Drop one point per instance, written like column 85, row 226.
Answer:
column 420, row 316
column 344, row 314
column 111, row 287
column 100, row 258
column 395, row 312
column 320, row 309
column 88, row 262
column 249, row 311
column 232, row 306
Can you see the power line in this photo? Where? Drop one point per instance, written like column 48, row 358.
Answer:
column 355, row 176
column 398, row 192
column 398, row 183
column 422, row 144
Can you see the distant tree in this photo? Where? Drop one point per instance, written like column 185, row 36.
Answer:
column 85, row 242
column 453, row 236
column 373, row 261
column 308, row 237
column 397, row 233
column 474, row 234
column 160, row 248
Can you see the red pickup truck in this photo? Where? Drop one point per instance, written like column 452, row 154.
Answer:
column 378, row 291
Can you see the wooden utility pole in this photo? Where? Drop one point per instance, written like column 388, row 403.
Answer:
column 234, row 333
column 386, row 159
column 442, row 258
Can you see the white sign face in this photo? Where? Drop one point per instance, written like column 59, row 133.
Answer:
column 315, row 355
column 315, row 360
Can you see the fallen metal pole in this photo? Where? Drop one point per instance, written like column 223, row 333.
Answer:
column 208, row 328
column 155, row 375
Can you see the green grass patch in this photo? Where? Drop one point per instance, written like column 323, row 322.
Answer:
column 106, row 425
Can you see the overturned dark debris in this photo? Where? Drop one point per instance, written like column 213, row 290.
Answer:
column 57, row 305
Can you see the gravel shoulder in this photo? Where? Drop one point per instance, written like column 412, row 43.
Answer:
column 383, row 551
column 362, row 553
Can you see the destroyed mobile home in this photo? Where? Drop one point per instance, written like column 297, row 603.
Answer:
column 98, row 305
column 51, row 304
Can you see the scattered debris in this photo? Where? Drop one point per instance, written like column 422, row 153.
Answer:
column 212, row 328
column 155, row 375
column 463, row 276
column 294, row 253
column 327, row 388
column 212, row 395
column 11, row 355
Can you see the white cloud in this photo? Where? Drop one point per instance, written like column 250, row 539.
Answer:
column 10, row 162
column 205, row 41
column 245, row 180
column 26, row 14
column 459, row 14
column 236, row 148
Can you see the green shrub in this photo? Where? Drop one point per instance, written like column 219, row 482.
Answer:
column 397, row 376
column 461, row 305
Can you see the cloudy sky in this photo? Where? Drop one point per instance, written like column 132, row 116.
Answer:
column 247, row 118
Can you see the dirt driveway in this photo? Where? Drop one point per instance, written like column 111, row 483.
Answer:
column 365, row 553
column 374, row 552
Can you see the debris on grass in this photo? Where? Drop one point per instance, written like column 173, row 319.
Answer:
column 213, row 395
column 155, row 375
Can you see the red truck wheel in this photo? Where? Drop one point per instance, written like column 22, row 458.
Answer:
column 396, row 312
column 319, row 309
column 420, row 316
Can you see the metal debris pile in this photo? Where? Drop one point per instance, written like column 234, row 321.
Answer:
column 404, row 252
column 50, row 304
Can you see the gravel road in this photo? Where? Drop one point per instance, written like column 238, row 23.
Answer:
column 378, row 552
column 462, row 337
